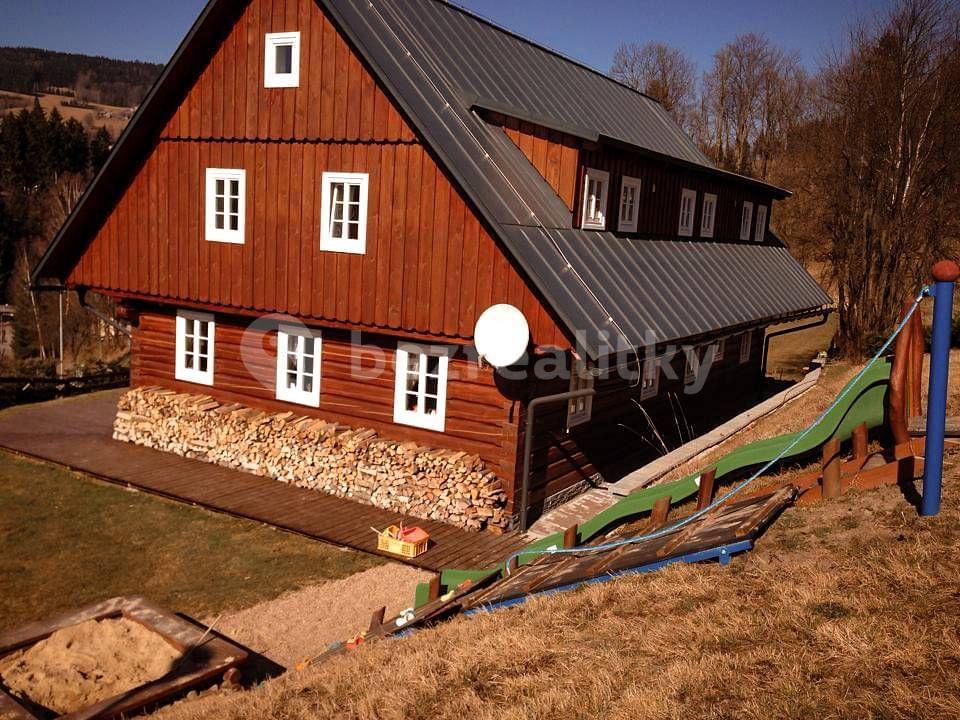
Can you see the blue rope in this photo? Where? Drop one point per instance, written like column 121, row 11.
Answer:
column 737, row 488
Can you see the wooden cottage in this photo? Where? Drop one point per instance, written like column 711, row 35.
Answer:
column 352, row 183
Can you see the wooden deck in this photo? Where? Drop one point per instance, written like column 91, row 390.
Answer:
column 76, row 433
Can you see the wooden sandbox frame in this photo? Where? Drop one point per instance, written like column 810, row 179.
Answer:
column 210, row 657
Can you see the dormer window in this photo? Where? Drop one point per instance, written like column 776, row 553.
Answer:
column 629, row 204
column 746, row 219
column 343, row 219
column 594, row 213
column 761, row 229
column 688, row 206
column 281, row 68
column 709, row 213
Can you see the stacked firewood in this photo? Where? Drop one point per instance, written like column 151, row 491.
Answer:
column 452, row 487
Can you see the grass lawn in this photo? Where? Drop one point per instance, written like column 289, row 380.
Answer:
column 789, row 354
column 68, row 540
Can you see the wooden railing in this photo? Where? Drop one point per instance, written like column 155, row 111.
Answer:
column 21, row 390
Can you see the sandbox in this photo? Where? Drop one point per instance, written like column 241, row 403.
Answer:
column 110, row 659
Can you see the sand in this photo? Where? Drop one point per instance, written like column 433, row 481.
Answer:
column 302, row 623
column 84, row 664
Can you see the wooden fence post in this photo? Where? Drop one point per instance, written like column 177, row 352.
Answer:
column 434, row 592
column 860, row 437
column 831, row 469
column 705, row 492
column 570, row 537
column 661, row 508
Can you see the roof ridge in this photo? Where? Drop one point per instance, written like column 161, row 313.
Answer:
column 542, row 46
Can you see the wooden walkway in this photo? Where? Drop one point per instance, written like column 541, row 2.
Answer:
column 76, row 433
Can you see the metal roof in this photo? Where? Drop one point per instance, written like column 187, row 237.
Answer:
column 439, row 63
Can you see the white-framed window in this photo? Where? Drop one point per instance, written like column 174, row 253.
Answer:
column 594, row 213
column 719, row 349
column 761, row 229
column 745, row 346
column 709, row 215
column 691, row 364
column 629, row 204
column 298, row 365
column 343, row 218
column 281, row 60
column 420, row 397
column 746, row 220
column 196, row 333
column 225, row 205
column 580, row 409
column 688, row 208
column 650, row 382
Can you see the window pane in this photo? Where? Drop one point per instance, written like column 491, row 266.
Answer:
column 308, row 344
column 203, row 363
column 220, row 186
column 413, row 363
column 308, row 384
column 430, row 405
column 354, row 213
column 234, row 222
column 188, row 361
column 355, row 194
column 337, row 192
column 219, row 203
column 338, row 211
column 235, row 205
column 337, row 230
column 188, row 344
column 353, row 231
column 433, row 364
column 218, row 221
column 432, row 386
column 412, row 403
column 235, row 188
column 284, row 59
column 292, row 363
column 291, row 381
column 308, row 365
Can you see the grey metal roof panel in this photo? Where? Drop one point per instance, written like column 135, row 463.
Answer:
column 484, row 62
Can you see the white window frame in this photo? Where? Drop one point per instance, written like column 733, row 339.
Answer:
column 719, row 349
column 629, row 224
column 746, row 220
column 186, row 320
column 760, row 230
column 298, row 394
column 328, row 242
column 686, row 229
column 225, row 234
column 650, row 380
column 588, row 221
column 746, row 346
column 416, row 418
column 271, row 78
column 690, row 368
column 708, row 220
column 579, row 410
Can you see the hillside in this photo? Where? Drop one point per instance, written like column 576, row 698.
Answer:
column 100, row 80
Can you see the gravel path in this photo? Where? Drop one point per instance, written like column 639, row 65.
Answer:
column 300, row 624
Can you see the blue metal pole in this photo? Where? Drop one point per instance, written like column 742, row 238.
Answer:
column 945, row 273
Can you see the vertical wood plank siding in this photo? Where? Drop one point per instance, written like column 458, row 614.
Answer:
column 431, row 267
column 561, row 158
column 478, row 416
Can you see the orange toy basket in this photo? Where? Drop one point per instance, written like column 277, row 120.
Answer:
column 403, row 541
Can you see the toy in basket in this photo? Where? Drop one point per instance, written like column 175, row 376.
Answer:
column 403, row 541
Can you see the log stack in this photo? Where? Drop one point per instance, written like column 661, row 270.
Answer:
column 355, row 463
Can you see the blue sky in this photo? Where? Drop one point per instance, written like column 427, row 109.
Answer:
column 588, row 30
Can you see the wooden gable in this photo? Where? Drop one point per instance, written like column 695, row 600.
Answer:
column 430, row 267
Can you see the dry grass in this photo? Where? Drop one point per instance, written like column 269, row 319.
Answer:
column 844, row 610
column 48, row 102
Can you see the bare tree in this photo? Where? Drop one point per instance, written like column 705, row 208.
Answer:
column 887, row 162
column 660, row 71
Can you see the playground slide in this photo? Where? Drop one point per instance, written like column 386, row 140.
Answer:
column 864, row 403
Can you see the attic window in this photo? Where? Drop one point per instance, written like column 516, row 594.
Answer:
column 343, row 220
column 709, row 213
column 761, row 229
column 225, row 205
column 688, row 206
column 746, row 220
column 579, row 409
column 595, row 186
column 281, row 67
column 629, row 204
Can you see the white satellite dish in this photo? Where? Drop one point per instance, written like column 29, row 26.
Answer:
column 501, row 335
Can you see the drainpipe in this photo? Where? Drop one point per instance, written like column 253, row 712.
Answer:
column 787, row 331
column 528, row 442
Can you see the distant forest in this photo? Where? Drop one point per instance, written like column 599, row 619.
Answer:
column 95, row 79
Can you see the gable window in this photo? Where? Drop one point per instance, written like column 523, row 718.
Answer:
column 298, row 365
column 688, row 206
column 580, row 409
column 594, row 212
column 194, row 347
column 629, row 204
column 746, row 341
column 343, row 219
column 281, row 67
column 761, row 229
column 746, row 219
column 420, row 396
column 709, row 213
column 650, row 382
column 225, row 205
